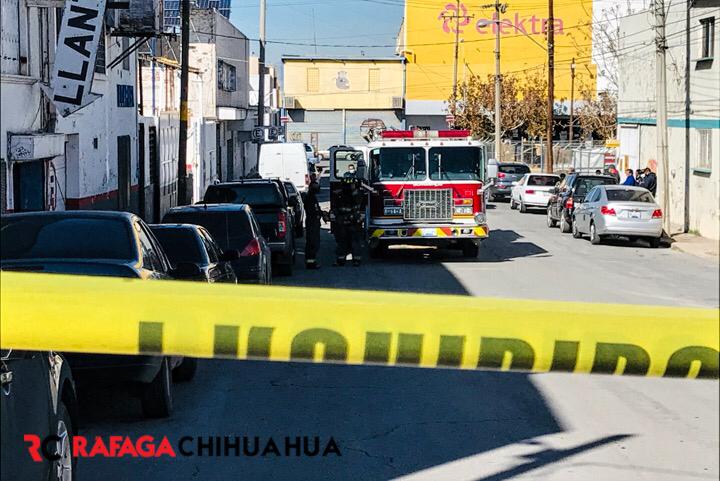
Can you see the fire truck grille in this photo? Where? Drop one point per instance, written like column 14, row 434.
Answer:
column 427, row 204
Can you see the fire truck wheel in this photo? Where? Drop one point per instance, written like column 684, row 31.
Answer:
column 378, row 251
column 470, row 250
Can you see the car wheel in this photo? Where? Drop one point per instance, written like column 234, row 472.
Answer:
column 470, row 250
column 186, row 370
column 564, row 225
column 512, row 204
column 523, row 207
column 63, row 468
column 550, row 221
column 575, row 231
column 654, row 242
column 157, row 396
column 595, row 239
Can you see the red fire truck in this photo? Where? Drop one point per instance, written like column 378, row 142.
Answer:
column 426, row 188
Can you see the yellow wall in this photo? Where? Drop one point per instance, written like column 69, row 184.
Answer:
column 343, row 84
column 429, row 44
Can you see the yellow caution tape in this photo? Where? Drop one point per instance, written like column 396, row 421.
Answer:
column 123, row 316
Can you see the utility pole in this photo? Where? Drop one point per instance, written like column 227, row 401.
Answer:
column 571, row 129
column 182, row 194
column 661, row 107
column 549, row 167
column 457, row 18
column 261, row 73
column 498, row 82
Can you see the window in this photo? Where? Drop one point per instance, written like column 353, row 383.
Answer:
column 226, row 77
column 455, row 163
column 708, row 38
column 704, row 157
column 374, row 79
column 629, row 195
column 125, row 42
column 543, row 180
column 398, row 164
column 313, row 80
column 150, row 259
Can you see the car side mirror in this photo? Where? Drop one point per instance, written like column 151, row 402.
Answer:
column 230, row 255
column 186, row 270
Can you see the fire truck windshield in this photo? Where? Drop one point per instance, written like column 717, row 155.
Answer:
column 398, row 164
column 455, row 163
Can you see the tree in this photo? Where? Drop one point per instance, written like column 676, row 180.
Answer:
column 522, row 99
column 598, row 116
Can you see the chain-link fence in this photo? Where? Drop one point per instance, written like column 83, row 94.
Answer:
column 568, row 156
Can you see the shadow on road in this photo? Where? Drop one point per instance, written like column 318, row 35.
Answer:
column 506, row 245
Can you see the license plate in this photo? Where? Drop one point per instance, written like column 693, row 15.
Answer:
column 429, row 233
column 635, row 215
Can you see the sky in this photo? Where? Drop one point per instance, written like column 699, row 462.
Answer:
column 336, row 22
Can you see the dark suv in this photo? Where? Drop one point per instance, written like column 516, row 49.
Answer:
column 268, row 200
column 502, row 185
column 571, row 191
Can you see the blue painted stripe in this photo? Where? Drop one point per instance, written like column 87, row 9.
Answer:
column 676, row 123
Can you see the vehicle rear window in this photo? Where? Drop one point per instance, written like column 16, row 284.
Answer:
column 514, row 169
column 586, row 184
column 629, row 195
column 180, row 244
column 251, row 194
column 62, row 238
column 543, row 180
column 231, row 230
column 290, row 188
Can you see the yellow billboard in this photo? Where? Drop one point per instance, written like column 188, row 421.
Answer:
column 428, row 43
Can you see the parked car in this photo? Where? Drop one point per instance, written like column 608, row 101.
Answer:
column 619, row 210
column 570, row 192
column 37, row 397
column 116, row 244
column 533, row 190
column 285, row 161
column 234, row 228
column 507, row 173
column 192, row 243
column 267, row 198
column 296, row 203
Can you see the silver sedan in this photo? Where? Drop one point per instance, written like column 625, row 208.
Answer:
column 618, row 210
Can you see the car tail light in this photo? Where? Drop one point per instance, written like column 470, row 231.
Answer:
column 501, row 175
column 569, row 203
column 657, row 214
column 252, row 249
column 307, row 179
column 529, row 191
column 282, row 225
column 605, row 210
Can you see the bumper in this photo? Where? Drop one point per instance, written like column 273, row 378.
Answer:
column 429, row 232
column 111, row 369
column 500, row 190
column 536, row 200
column 651, row 228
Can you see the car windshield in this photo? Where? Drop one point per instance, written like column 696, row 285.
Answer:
column 586, row 184
column 543, row 180
column 629, row 195
column 455, row 163
column 398, row 164
column 514, row 169
column 180, row 244
column 231, row 230
column 48, row 237
column 265, row 194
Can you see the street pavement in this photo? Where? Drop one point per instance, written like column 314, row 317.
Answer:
column 415, row 424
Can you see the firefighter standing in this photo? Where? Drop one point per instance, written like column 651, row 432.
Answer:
column 313, row 216
column 349, row 219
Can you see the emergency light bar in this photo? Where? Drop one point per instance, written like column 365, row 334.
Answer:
column 426, row 134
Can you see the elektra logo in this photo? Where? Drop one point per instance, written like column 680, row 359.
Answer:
column 454, row 19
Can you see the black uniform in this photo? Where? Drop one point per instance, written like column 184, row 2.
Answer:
column 349, row 226
column 313, row 216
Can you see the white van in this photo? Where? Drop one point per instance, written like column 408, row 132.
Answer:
column 286, row 161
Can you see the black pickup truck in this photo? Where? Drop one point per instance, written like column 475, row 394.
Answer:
column 269, row 203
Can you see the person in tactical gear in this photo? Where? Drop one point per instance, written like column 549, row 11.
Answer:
column 349, row 221
column 313, row 216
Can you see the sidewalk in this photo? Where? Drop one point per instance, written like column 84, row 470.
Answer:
column 697, row 246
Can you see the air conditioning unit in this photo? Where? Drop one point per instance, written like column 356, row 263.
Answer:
column 289, row 103
column 397, row 103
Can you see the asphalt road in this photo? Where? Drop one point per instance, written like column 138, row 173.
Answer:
column 414, row 424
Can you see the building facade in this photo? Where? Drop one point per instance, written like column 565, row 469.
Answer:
column 427, row 41
column 334, row 101
column 693, row 104
column 171, row 10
